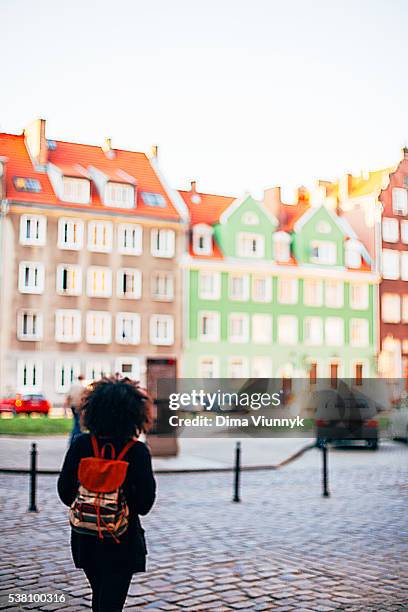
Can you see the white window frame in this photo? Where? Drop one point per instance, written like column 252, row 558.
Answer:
column 391, row 307
column 281, row 246
column 329, row 252
column 102, row 367
column 244, row 319
column 162, row 279
column 390, row 229
column 136, row 275
column 232, row 364
column 294, row 290
column 404, row 309
column 133, row 233
column 204, row 294
column 261, row 367
column 34, row 375
column 364, row 331
column 404, row 231
column 206, row 362
column 337, row 286
column 244, row 297
column 30, row 314
column 81, row 186
column 288, row 323
column 262, row 328
column 404, row 265
column 73, row 277
column 114, row 195
column 312, row 292
column 352, row 254
column 36, row 272
column 102, row 319
column 202, row 234
column 244, row 248
column 215, row 336
column 163, row 242
column 390, row 264
column 69, row 371
column 400, row 201
column 100, row 236
column 73, row 231
column 329, row 339
column 157, row 339
column 359, row 302
column 125, row 320
column 75, row 316
column 315, row 337
column 99, row 282
column 268, row 288
column 37, row 226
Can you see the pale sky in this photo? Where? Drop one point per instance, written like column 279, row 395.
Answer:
column 239, row 95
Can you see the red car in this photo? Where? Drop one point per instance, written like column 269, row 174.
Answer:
column 25, row 404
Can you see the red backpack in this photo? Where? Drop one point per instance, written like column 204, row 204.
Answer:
column 100, row 507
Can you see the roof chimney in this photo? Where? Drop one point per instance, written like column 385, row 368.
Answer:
column 272, row 200
column 193, row 186
column 155, row 152
column 345, row 184
column 107, row 148
column 405, row 152
column 36, row 143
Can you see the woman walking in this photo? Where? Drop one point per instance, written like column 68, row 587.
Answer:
column 107, row 481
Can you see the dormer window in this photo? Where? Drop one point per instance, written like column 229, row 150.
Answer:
column 76, row 190
column 281, row 247
column 250, row 245
column 202, row 240
column 323, row 252
column 119, row 195
column 353, row 254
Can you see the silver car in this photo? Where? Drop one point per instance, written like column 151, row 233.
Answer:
column 399, row 422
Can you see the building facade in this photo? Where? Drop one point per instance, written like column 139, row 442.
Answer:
column 90, row 281
column 275, row 290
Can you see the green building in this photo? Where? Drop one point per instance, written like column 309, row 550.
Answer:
column 285, row 292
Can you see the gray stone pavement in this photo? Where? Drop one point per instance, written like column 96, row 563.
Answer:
column 283, row 548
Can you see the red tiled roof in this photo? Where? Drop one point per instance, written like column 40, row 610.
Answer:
column 70, row 157
column 290, row 213
column 208, row 209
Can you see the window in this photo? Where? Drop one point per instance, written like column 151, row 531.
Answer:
column 30, row 185
column 391, row 308
column 323, row 252
column 99, row 282
column 127, row 328
column 399, row 201
column 69, row 279
column 287, row 290
column 390, row 264
column 29, row 375
column 261, row 367
column 250, row 245
column 405, row 309
column 161, row 330
column 98, row 327
column 281, row 247
column 68, row 325
column 76, row 190
column 208, row 367
column 334, row 331
column 334, row 294
column 261, row 328
column 209, row 326
column 162, row 242
column 404, row 266
column 155, row 200
column 163, row 286
column 390, row 230
column 404, row 232
column 127, row 367
column 359, row 296
column 130, row 239
column 129, row 283
column 352, row 254
column 238, row 327
column 29, row 325
column 287, row 329
column 100, row 236
column 250, row 218
column 31, row 277
column 70, row 234
column 95, row 370
column 359, row 332
column 261, row 288
column 119, row 195
column 239, row 287
column 33, row 230
column 209, row 285
column 312, row 292
column 313, row 331
column 202, row 240
column 237, row 367
column 66, row 373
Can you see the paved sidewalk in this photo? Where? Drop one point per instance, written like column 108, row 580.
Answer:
column 284, row 548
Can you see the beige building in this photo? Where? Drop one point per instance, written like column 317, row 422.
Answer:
column 90, row 282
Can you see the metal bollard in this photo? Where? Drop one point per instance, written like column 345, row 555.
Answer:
column 237, row 474
column 325, row 483
column 33, row 479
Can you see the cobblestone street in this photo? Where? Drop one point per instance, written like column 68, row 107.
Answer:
column 283, row 548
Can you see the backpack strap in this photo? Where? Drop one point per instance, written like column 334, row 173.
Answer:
column 126, row 448
column 95, row 445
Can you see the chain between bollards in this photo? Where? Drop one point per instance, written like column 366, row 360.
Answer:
column 325, row 480
column 33, row 479
column 237, row 472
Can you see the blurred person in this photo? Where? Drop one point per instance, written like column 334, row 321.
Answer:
column 107, row 495
column 73, row 403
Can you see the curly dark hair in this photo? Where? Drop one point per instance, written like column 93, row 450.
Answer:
column 116, row 408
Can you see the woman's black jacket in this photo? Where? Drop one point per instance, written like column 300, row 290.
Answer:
column 89, row 551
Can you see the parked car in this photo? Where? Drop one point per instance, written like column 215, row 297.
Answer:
column 399, row 423
column 34, row 403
